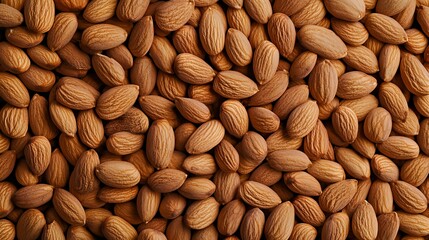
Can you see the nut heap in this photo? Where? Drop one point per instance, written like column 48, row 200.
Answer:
column 214, row 119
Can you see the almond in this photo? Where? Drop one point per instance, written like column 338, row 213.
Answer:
column 290, row 100
column 270, row 91
column 394, row 101
column 234, row 118
column 30, row 224
column 118, row 174
column 384, row 168
column 327, row 171
column 227, row 157
column 201, row 214
column 252, row 226
column 33, row 196
column 103, row 36
column 360, row 196
column 265, row 62
column 124, row 143
column 388, row 61
column 212, row 31
column 230, row 216
column 308, row 211
column 380, row 197
column 131, row 10
column 68, row 207
column 408, row 197
column 388, row 225
column 364, row 222
column 238, row 47
column 44, row 57
column 350, row 88
column 109, row 70
column 141, row 37
column 289, row 7
column 312, row 14
column 337, row 195
column 172, row 15
column 227, row 185
column 361, row 106
column 263, row 120
column 76, row 94
column 336, row 226
column 11, row 17
column 83, row 175
column 23, row 37
column 116, row 101
column 413, row 224
column 6, row 205
column 345, row 124
column 99, row 10
column 362, row 59
column 147, row 203
column 352, row 33
column 172, row 205
column 39, row 15
column 302, row 119
column 160, row 137
column 14, row 59
column 410, row 127
column 378, row 125
column 414, row 75
column 385, row 29
column 282, row 33
column 200, row 164
column 192, row 69
column 167, row 180
column 302, row 183
column 288, row 160
column 322, row 41
column 115, row 227
column 323, row 82
column 163, row 54
column 303, row 231
column 206, row 137
column 252, row 150
column 399, row 147
column 280, row 222
column 7, row 229
column 197, row 188
column 258, row 195
column 350, row 11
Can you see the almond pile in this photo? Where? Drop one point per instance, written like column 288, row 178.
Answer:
column 214, row 119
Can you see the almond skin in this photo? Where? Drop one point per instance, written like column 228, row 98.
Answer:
column 238, row 47
column 30, row 224
column 234, row 118
column 307, row 209
column 323, row 82
column 212, row 31
column 38, row 154
column 65, row 25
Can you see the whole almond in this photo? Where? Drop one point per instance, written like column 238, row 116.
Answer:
column 38, row 154
column 323, row 82
column 124, row 143
column 116, row 101
column 30, row 224
column 290, row 100
column 234, row 118
column 303, row 231
column 197, row 188
column 69, row 207
column 350, row 11
column 230, row 216
column 163, row 54
column 131, row 10
column 282, row 33
column 7, row 192
column 39, row 15
column 258, row 195
column 413, row 224
column 384, row 168
column 118, row 174
column 352, row 33
column 302, row 183
column 76, row 94
column 414, row 75
column 206, row 137
column 238, row 47
column 23, row 37
column 147, row 203
column 302, row 119
column 7, row 229
column 322, row 41
column 227, row 185
column 212, row 31
column 14, row 59
column 200, row 164
column 408, row 197
column 263, row 120
column 279, row 223
column 308, row 210
column 380, row 197
column 336, row 226
column 103, row 36
column 13, row 91
column 303, row 65
column 378, row 125
column 172, row 15
column 192, row 69
column 201, row 214
column 394, row 101
column 99, row 10
column 252, row 226
column 115, row 227
column 160, row 137
column 186, row 40
column 399, row 147
column 327, row 171
column 388, row 225
column 312, row 14
column 350, row 88
column 265, row 62
column 167, row 180
column 362, row 59
column 33, row 196
column 44, row 57
column 108, row 70
column 364, row 222
column 62, row 31
column 389, row 60
column 83, row 174
column 385, row 29
column 333, row 197
column 11, row 17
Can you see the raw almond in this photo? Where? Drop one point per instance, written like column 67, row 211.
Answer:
column 323, row 82
column 265, row 62
column 192, row 69
column 30, row 224
column 131, row 10
column 212, row 31
column 380, row 197
column 385, row 29
column 167, row 180
column 388, row 225
column 103, row 36
column 362, row 59
column 115, row 227
column 116, row 101
column 282, row 33
column 353, row 163
column 327, row 171
column 384, row 168
column 230, row 216
column 364, row 222
column 252, row 226
column 350, row 88
column 408, row 197
column 308, row 210
column 413, row 224
column 33, row 196
column 345, row 124
column 322, row 41
column 160, row 144
column 201, row 214
column 234, row 118
column 258, row 195
column 414, row 75
column 108, row 70
column 63, row 29
column 238, row 47
column 206, row 137
column 399, row 147
column 39, row 15
column 336, row 226
column 76, row 94
column 302, row 119
column 172, row 15
column 352, row 33
column 279, row 223
column 337, row 195
column 378, row 125
column 346, row 10
column 69, row 207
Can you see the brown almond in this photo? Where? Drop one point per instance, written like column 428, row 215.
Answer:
column 308, row 210
column 378, row 125
column 172, row 15
column 350, row 88
column 200, row 214
column 206, row 137
column 160, row 144
column 302, row 119
column 118, row 174
column 399, row 147
column 258, row 195
column 265, row 62
column 408, row 197
column 68, row 207
column 166, row 180
column 385, row 29
column 103, row 36
column 280, row 221
column 349, row 11
column 33, row 196
column 192, row 69
column 337, row 195
column 39, row 15
column 234, row 118
column 116, row 101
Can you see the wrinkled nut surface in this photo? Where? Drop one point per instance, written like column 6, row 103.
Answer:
column 214, row 119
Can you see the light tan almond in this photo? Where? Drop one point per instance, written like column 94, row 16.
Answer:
column 345, row 124
column 166, row 180
column 350, row 88
column 384, row 168
column 337, row 195
column 290, row 100
column 192, row 69
column 303, row 65
column 337, row 226
column 212, row 31
column 378, row 125
column 263, row 120
column 352, row 33
column 76, row 94
column 322, row 41
column 30, row 224
column 311, row 14
column 108, row 70
column 13, row 59
column 265, row 62
column 163, row 54
column 118, row 174
column 197, row 188
column 234, row 118
column 308, row 210
column 33, row 196
column 227, row 185
column 389, row 60
column 115, row 227
column 103, row 36
column 116, row 101
column 399, row 147
column 288, row 160
column 99, row 10
column 362, row 59
column 364, row 222
column 238, row 47
column 303, row 231
column 200, row 164
column 413, row 224
column 414, row 75
column 226, row 156
column 44, row 57
column 160, row 144
column 327, row 171
column 282, row 33
column 200, row 214
column 252, row 226
column 323, row 82
column 385, row 29
column 39, row 15
column 68, row 207
column 38, row 154
column 302, row 119
column 280, row 222
column 346, row 10
column 186, row 40
column 394, row 101
column 353, row 163
column 131, row 10
column 388, row 226
column 408, row 198
column 380, row 197
column 258, row 195
column 206, row 137
column 172, row 15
